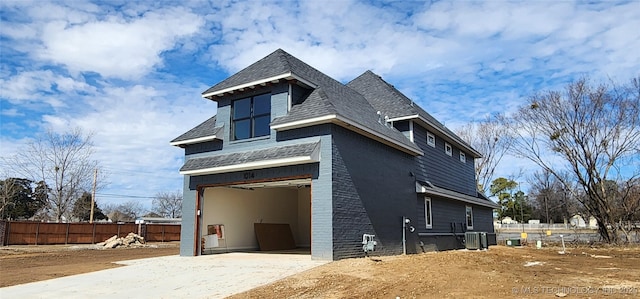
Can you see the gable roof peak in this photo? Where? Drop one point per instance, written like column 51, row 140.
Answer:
column 278, row 65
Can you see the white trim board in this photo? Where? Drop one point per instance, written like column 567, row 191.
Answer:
column 286, row 76
column 350, row 125
column 194, row 140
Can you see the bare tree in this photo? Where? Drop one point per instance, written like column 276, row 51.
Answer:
column 591, row 132
column 168, row 204
column 553, row 201
column 64, row 162
column 626, row 197
column 491, row 138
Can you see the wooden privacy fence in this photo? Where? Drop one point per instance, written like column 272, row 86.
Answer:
column 45, row 233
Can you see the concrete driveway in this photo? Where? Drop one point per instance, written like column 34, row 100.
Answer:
column 210, row 276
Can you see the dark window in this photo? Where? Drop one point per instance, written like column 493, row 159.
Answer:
column 251, row 116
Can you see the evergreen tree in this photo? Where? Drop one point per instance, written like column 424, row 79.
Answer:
column 18, row 198
column 82, row 209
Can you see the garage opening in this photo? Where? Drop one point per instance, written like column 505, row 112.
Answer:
column 265, row 216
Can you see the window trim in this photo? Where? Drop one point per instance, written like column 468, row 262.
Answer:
column 463, row 157
column 428, row 219
column 432, row 144
column 448, row 149
column 468, row 216
column 252, row 118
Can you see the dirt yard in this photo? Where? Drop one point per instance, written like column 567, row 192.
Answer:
column 23, row 264
column 501, row 271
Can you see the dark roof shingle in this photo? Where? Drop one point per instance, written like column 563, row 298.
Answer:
column 269, row 66
column 281, row 152
column 205, row 129
column 391, row 102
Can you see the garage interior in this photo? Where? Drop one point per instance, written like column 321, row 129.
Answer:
column 262, row 216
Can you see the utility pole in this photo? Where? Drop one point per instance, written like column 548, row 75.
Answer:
column 93, row 194
column 546, row 205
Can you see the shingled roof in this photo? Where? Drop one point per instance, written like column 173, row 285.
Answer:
column 385, row 98
column 330, row 100
column 272, row 65
column 263, row 158
column 205, row 131
column 428, row 188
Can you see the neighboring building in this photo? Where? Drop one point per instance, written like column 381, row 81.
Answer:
column 508, row 220
column 290, row 145
column 578, row 221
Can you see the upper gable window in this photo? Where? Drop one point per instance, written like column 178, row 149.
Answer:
column 431, row 139
column 448, row 149
column 250, row 117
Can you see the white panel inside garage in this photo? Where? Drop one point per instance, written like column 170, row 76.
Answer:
column 238, row 207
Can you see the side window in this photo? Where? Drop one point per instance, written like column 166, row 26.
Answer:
column 427, row 212
column 251, row 116
column 463, row 157
column 469, row 217
column 431, row 139
column 448, row 149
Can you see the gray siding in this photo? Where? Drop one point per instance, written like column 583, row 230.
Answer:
column 188, row 219
column 449, row 223
column 446, row 213
column 372, row 191
column 298, row 94
column 321, row 189
column 321, row 203
column 441, row 169
column 203, row 147
column 482, row 219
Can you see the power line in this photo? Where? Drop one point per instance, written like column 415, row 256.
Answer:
column 124, row 195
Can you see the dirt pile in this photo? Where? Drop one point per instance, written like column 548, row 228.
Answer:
column 131, row 240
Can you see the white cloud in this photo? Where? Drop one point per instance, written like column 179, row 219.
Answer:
column 11, row 112
column 117, row 47
column 41, row 87
column 132, row 127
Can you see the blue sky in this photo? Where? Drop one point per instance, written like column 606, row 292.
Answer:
column 132, row 72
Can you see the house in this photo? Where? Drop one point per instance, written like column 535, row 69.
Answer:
column 508, row 220
column 578, row 221
column 296, row 158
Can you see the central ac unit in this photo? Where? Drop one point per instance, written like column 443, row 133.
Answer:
column 483, row 241
column 472, row 240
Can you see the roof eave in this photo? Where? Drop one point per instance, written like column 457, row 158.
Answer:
column 474, row 152
column 350, row 125
column 313, row 157
column 432, row 191
column 261, row 82
column 193, row 140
